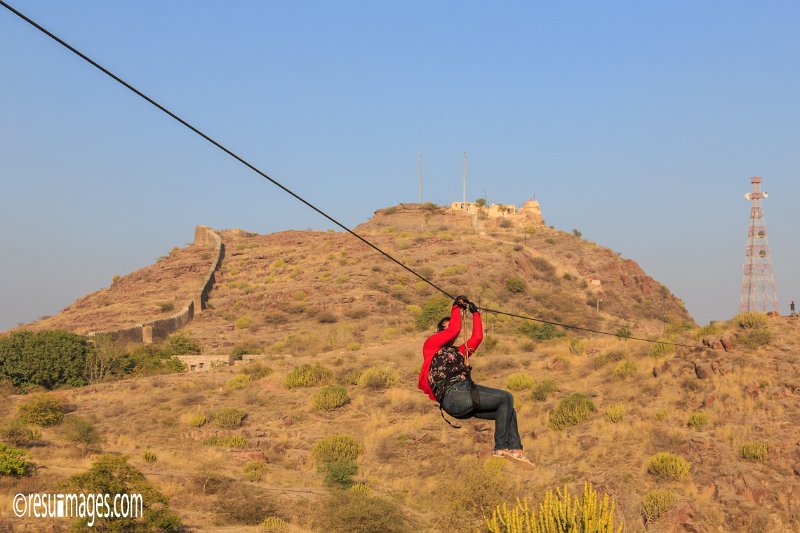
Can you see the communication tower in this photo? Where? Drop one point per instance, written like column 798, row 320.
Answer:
column 758, row 282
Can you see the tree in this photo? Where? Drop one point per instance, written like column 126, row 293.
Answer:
column 105, row 359
column 47, row 358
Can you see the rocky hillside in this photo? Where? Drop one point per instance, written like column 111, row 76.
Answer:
column 294, row 290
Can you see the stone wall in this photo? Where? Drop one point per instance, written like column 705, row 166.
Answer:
column 160, row 329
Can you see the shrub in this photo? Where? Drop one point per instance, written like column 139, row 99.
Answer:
column 44, row 358
column 246, row 349
column 166, row 306
column 751, row 320
column 239, row 381
column 559, row 512
column 454, row 270
column 18, row 434
column 378, row 377
column 243, row 322
column 348, row 376
column 308, row 376
column 326, row 317
column 330, row 398
column 667, row 465
column 432, row 311
column 181, row 344
column 662, row 415
column 754, row 451
column 149, row 457
column 698, row 420
column 229, row 441
column 625, row 369
column 614, row 412
column 111, row 474
column 194, row 418
column 336, row 447
column 42, row 410
column 624, row 332
column 228, row 417
column 661, row 348
column 80, row 431
column 245, row 504
column 519, row 381
column 274, row 524
column 13, row 461
column 473, row 490
column 753, row 338
column 255, row 470
column 543, row 389
column 540, row 332
column 656, row 503
column 257, row 371
column 356, row 512
column 577, row 347
column 572, row 410
column 340, row 473
column 515, row 285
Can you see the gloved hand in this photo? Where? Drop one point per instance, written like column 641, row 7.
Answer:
column 461, row 301
column 472, row 307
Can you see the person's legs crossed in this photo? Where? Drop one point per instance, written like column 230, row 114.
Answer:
column 498, row 405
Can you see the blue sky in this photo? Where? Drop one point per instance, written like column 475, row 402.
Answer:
column 637, row 123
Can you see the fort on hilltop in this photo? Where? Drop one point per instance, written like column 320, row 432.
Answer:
column 530, row 211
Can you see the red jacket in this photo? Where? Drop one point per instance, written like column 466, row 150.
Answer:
column 437, row 340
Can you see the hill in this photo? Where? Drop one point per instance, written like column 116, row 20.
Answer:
column 321, row 298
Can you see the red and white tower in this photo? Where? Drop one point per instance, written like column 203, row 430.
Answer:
column 758, row 283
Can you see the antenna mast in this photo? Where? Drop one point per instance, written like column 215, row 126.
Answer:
column 420, row 176
column 464, row 174
column 758, row 282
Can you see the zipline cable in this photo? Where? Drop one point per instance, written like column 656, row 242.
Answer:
column 263, row 174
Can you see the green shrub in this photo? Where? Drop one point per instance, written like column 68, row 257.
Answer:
column 340, row 473
column 557, row 513
column 454, row 270
column 519, row 381
column 753, row 338
column 166, row 306
column 614, row 412
column 656, row 503
column 181, row 344
column 355, row 512
column 17, row 433
column 274, row 524
column 572, row 410
column 111, row 474
column 13, row 461
column 661, row 348
column 751, row 320
column 230, row 441
column 80, row 431
column 754, row 451
column 433, row 310
column 330, row 398
column 149, row 457
column 515, row 285
column 577, row 347
column 540, row 332
column 256, row 371
column 543, row 389
column 662, row 415
column 243, row 322
column 624, row 332
column 44, row 358
column 194, row 418
column 336, row 447
column 667, row 465
column 625, row 369
column 308, row 376
column 239, row 381
column 41, row 410
column 349, row 376
column 255, row 470
column 698, row 420
column 378, row 377
column 228, row 417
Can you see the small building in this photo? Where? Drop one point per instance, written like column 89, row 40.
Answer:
column 530, row 211
column 199, row 363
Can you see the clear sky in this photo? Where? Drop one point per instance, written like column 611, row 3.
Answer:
column 638, row 123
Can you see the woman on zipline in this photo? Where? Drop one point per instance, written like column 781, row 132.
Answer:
column 445, row 378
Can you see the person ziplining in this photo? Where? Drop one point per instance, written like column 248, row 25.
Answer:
column 446, row 378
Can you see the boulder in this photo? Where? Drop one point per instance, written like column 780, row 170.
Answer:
column 727, row 340
column 701, row 370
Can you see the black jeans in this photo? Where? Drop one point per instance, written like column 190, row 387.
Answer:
column 496, row 404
